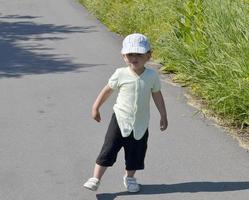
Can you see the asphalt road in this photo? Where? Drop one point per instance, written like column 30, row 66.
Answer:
column 54, row 59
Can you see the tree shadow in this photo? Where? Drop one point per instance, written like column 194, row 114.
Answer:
column 188, row 187
column 18, row 60
column 18, row 17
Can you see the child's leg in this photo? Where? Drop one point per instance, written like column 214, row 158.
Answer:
column 108, row 154
column 112, row 145
column 130, row 173
column 93, row 183
column 99, row 171
column 135, row 151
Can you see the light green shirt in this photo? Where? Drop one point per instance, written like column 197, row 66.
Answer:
column 132, row 108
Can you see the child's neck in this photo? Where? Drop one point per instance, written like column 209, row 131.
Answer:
column 138, row 71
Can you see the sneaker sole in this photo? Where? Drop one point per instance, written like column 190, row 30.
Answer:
column 133, row 191
column 89, row 188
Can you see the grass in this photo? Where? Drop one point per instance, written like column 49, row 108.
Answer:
column 204, row 42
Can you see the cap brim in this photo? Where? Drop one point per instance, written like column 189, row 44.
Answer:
column 140, row 50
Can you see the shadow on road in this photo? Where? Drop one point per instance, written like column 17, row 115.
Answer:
column 18, row 60
column 189, row 187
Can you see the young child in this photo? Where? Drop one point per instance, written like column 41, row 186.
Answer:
column 128, row 127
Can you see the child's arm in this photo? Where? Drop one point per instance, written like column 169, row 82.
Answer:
column 102, row 97
column 159, row 101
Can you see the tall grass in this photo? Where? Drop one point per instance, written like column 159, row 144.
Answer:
column 209, row 49
column 205, row 42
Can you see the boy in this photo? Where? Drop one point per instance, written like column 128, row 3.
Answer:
column 129, row 124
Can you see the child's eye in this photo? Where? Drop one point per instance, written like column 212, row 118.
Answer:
column 135, row 54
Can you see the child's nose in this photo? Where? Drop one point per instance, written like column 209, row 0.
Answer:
column 134, row 56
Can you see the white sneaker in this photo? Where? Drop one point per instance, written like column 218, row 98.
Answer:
column 92, row 184
column 131, row 184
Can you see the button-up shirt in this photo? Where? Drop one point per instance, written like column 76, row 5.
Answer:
column 132, row 107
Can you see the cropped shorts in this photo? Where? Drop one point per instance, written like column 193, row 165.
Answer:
column 134, row 150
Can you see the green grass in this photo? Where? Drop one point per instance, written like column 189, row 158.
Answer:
column 204, row 42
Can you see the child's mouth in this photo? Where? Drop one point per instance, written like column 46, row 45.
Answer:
column 134, row 63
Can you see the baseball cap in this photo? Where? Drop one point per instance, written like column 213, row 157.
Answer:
column 135, row 43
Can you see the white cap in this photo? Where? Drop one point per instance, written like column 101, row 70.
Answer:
column 135, row 43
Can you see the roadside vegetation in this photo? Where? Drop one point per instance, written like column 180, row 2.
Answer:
column 205, row 43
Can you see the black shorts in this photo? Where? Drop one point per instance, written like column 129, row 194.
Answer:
column 134, row 150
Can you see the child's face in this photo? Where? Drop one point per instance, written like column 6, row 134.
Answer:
column 136, row 61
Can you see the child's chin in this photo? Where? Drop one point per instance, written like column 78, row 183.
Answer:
column 135, row 66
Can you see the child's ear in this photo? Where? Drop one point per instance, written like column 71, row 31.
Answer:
column 149, row 54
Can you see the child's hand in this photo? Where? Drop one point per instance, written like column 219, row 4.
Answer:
column 163, row 124
column 96, row 115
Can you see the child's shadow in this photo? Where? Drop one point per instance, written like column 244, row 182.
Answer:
column 188, row 187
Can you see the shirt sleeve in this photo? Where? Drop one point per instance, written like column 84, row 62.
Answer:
column 156, row 84
column 113, row 82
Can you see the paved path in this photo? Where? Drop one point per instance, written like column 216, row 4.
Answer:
column 55, row 58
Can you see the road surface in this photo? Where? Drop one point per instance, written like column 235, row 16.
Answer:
column 55, row 58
